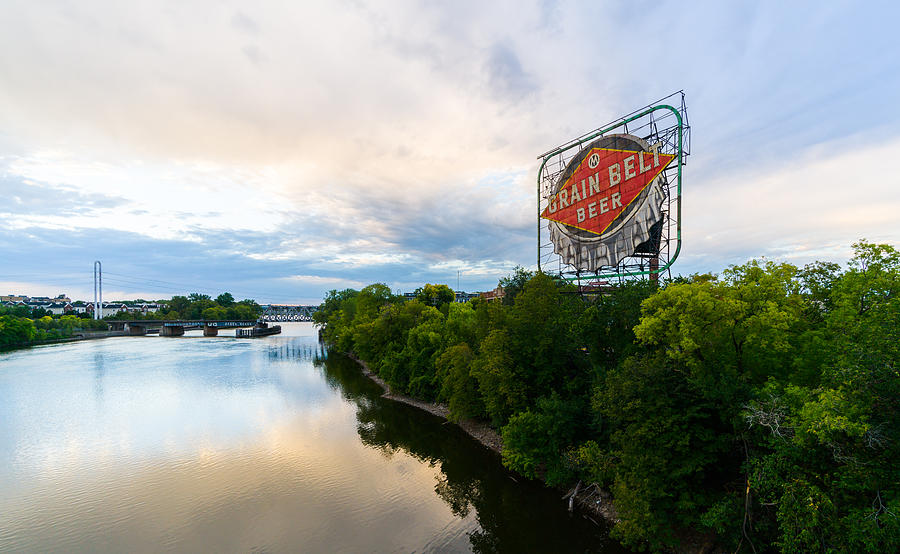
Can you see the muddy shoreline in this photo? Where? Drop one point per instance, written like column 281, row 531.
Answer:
column 595, row 502
column 479, row 431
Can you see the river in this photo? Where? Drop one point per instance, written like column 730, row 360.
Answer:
column 144, row 444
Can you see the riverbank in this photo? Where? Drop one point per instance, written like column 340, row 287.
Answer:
column 79, row 336
column 596, row 502
column 479, row 431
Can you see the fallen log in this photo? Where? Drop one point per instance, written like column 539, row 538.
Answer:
column 572, row 498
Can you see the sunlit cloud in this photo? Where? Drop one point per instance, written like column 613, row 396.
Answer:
column 811, row 208
column 219, row 143
column 326, row 281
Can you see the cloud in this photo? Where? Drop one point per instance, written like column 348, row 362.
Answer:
column 357, row 142
column 814, row 205
column 24, row 197
column 245, row 23
column 506, row 76
column 335, row 282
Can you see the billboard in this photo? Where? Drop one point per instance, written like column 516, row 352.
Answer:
column 605, row 200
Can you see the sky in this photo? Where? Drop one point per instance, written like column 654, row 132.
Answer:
column 278, row 150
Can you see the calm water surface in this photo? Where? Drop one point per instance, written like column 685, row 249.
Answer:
column 219, row 444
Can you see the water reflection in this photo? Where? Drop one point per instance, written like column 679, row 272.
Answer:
column 221, row 444
column 513, row 515
column 99, row 373
column 295, row 351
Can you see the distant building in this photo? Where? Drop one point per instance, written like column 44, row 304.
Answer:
column 463, row 297
column 142, row 308
column 110, row 308
column 13, row 298
column 60, row 308
column 37, row 303
column 594, row 287
column 81, row 307
column 496, row 294
column 458, row 296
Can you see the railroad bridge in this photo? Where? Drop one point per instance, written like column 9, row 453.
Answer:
column 287, row 312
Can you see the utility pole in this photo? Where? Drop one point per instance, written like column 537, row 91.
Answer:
column 98, row 290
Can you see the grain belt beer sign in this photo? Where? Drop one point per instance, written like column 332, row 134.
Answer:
column 603, row 188
column 609, row 201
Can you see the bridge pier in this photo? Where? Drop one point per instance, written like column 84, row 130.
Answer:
column 135, row 331
column 171, row 331
column 209, row 331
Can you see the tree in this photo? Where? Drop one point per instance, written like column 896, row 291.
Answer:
column 15, row 330
column 370, row 301
column 435, row 295
column 607, row 324
column 669, row 445
column 762, row 405
column 213, row 313
column 459, row 388
column 500, row 382
column 334, row 302
column 513, row 284
column 459, row 326
column 535, row 441
column 826, row 451
column 423, row 345
column 542, row 344
column 225, row 300
column 196, row 308
column 674, row 408
column 180, row 306
column 729, row 332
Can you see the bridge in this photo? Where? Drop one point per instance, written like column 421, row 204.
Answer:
column 287, row 312
column 176, row 328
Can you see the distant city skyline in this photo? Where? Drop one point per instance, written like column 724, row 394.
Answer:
column 65, row 298
column 280, row 151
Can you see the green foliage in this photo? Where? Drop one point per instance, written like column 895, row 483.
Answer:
column 513, row 284
column 201, row 306
column 499, row 380
column 423, row 346
column 607, row 324
column 533, row 439
column 668, row 440
column 178, row 305
column 19, row 311
column 411, row 369
column 761, row 405
column 435, row 295
column 460, row 325
column 15, row 330
column 544, row 350
column 827, row 450
column 459, row 388
column 727, row 332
